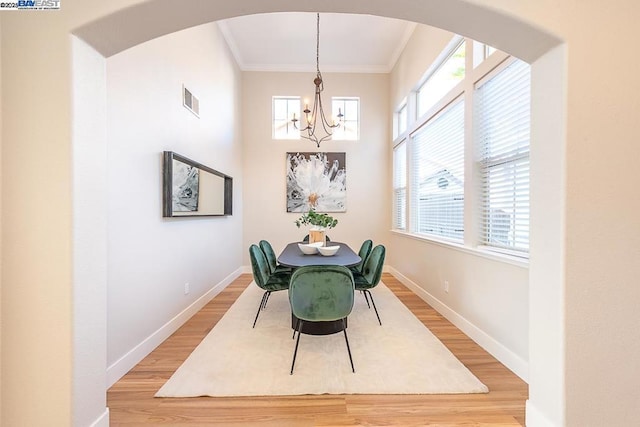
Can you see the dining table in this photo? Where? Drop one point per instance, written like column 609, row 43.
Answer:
column 292, row 256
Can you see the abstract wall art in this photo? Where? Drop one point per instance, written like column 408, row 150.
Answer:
column 316, row 181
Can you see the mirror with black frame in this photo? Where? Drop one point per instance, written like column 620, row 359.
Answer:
column 192, row 189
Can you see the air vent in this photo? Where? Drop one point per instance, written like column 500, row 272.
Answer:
column 190, row 101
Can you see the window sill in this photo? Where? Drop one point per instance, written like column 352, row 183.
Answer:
column 482, row 252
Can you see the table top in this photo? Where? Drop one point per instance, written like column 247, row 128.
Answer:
column 292, row 256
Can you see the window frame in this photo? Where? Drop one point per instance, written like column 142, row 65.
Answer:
column 295, row 133
column 474, row 73
column 340, row 131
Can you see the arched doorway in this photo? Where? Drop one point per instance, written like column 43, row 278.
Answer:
column 123, row 29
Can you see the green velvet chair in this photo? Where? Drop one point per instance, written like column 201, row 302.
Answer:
column 264, row 279
column 363, row 253
column 321, row 293
column 274, row 267
column 370, row 275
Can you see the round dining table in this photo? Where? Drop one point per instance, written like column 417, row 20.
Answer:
column 292, row 256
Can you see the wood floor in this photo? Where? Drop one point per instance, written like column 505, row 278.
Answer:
column 131, row 401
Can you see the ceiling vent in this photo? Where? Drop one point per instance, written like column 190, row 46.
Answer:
column 190, row 101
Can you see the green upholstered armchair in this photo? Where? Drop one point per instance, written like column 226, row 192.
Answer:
column 264, row 279
column 370, row 275
column 363, row 253
column 321, row 293
column 274, row 267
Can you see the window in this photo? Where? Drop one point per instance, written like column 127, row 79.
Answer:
column 402, row 120
column 481, row 52
column 502, row 122
column 443, row 79
column 283, row 110
column 349, row 128
column 400, row 186
column 437, row 169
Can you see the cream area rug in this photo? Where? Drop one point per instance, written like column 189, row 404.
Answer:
column 400, row 357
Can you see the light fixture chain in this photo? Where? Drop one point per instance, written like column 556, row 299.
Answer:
column 318, row 43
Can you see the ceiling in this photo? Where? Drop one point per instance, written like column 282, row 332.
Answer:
column 287, row 42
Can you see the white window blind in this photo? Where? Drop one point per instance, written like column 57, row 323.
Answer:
column 400, row 187
column 437, row 174
column 502, row 128
column 283, row 111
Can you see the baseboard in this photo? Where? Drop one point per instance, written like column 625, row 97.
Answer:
column 534, row 418
column 512, row 361
column 103, row 420
column 123, row 365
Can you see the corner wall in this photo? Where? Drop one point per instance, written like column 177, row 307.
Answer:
column 151, row 258
column 368, row 201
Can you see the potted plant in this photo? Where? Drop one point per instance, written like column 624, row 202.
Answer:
column 319, row 223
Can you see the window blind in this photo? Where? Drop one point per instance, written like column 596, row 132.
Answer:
column 502, row 134
column 400, row 187
column 437, row 174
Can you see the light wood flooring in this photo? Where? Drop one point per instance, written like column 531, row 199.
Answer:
column 131, row 401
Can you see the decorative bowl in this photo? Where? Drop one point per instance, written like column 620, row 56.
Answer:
column 308, row 249
column 328, row 250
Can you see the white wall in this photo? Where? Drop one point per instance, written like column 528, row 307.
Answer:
column 89, row 234
column 599, row 245
column 488, row 299
column 150, row 258
column 265, row 215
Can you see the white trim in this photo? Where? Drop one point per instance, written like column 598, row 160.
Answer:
column 508, row 358
column 102, row 420
column 535, row 418
column 408, row 32
column 123, row 365
column 231, row 43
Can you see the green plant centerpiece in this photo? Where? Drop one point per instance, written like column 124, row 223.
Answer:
column 319, row 223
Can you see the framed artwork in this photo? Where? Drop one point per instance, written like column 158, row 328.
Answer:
column 316, row 181
column 192, row 189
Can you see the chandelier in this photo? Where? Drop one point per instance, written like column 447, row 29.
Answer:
column 318, row 128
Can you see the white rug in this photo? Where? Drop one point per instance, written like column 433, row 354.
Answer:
column 399, row 357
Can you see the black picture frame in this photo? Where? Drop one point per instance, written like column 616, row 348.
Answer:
column 191, row 189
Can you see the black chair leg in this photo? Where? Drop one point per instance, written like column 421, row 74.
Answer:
column 267, row 299
column 295, row 328
column 348, row 348
column 265, row 296
column 366, row 298
column 295, row 352
column 374, row 306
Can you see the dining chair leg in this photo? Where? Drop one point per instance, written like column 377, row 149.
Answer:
column 366, row 298
column 295, row 328
column 267, row 299
column 295, row 352
column 348, row 348
column 374, row 306
column 265, row 296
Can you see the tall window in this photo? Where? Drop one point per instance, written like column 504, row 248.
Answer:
column 473, row 116
column 400, row 186
column 283, row 110
column 437, row 170
column 502, row 122
column 448, row 74
column 349, row 129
